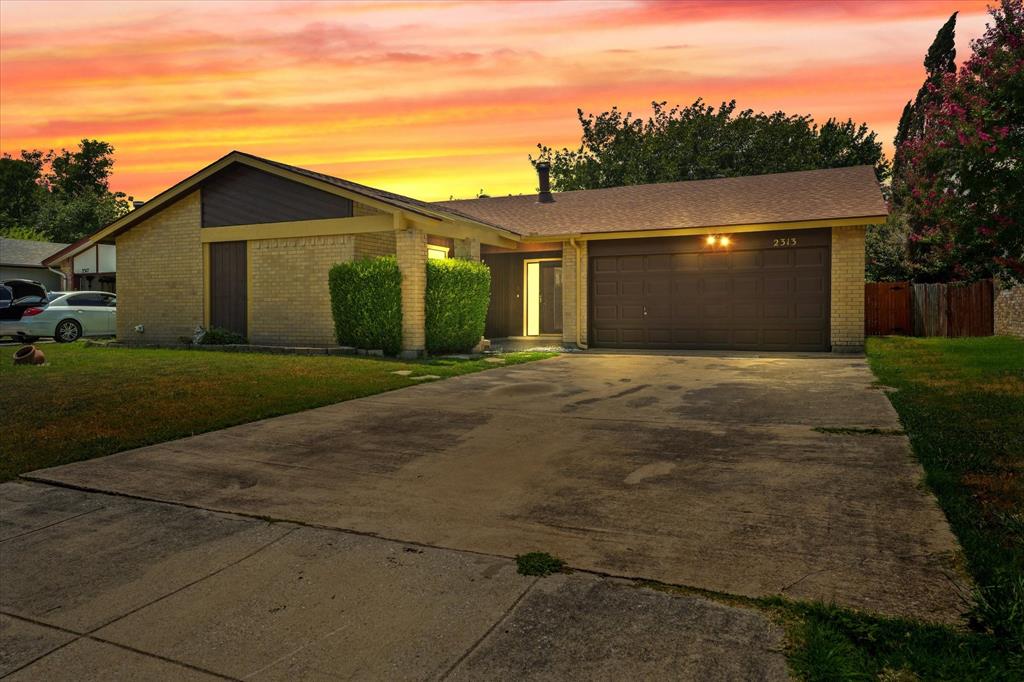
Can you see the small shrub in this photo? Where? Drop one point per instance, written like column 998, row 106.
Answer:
column 538, row 563
column 458, row 294
column 215, row 336
column 366, row 302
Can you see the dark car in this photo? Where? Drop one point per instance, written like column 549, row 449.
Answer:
column 17, row 296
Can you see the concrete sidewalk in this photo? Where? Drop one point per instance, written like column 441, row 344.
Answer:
column 96, row 587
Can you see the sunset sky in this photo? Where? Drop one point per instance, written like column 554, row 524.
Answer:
column 435, row 99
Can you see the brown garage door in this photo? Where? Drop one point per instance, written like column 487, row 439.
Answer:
column 765, row 291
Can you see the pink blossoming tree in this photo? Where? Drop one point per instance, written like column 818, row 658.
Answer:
column 964, row 174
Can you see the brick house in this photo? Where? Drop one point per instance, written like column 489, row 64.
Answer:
column 771, row 262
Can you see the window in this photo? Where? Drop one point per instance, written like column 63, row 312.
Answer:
column 434, row 251
column 87, row 300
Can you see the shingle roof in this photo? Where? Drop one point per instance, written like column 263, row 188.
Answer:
column 851, row 192
column 26, row 252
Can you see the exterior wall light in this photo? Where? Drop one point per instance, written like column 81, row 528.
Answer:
column 724, row 241
column 712, row 239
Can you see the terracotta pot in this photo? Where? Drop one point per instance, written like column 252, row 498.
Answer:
column 29, row 355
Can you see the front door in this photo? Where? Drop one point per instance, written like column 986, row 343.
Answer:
column 228, row 289
column 543, row 297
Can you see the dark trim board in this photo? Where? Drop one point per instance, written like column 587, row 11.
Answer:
column 765, row 291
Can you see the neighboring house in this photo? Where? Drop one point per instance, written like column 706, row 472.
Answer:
column 87, row 266
column 23, row 259
column 770, row 262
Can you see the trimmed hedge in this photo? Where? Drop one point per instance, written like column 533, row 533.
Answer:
column 458, row 294
column 366, row 302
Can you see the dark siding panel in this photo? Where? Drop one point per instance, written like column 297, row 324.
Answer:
column 240, row 195
column 228, row 286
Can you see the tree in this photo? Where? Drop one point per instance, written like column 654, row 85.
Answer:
column 965, row 173
column 938, row 61
column 886, row 256
column 63, row 196
column 20, row 193
column 700, row 141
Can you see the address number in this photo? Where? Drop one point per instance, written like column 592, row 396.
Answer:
column 785, row 241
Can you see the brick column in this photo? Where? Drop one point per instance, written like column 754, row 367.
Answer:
column 847, row 290
column 411, row 250
column 569, row 293
column 467, row 249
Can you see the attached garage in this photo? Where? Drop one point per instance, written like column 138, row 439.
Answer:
column 759, row 291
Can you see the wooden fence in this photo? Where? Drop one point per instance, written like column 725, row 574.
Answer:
column 928, row 309
column 887, row 308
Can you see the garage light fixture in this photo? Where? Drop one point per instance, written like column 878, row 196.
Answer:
column 712, row 240
column 717, row 240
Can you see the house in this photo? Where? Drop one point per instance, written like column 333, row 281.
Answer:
column 86, row 265
column 23, row 259
column 770, row 262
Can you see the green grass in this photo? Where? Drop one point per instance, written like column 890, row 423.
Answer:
column 93, row 401
column 538, row 563
column 961, row 402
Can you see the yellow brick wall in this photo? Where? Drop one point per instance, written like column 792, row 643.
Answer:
column 412, row 261
column 289, row 300
column 373, row 244
column 569, row 293
column 160, row 275
column 848, row 288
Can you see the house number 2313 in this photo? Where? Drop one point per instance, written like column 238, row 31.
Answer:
column 784, row 241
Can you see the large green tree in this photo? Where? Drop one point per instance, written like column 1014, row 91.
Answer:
column 964, row 174
column 701, row 141
column 61, row 195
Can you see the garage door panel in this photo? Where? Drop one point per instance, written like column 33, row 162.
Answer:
column 631, row 311
column 746, row 286
column 778, row 258
column 746, row 260
column 661, row 287
column 631, row 264
column 814, row 311
column 686, row 287
column 631, row 288
column 659, row 263
column 764, row 293
column 810, row 285
column 746, row 337
column 775, row 285
column 714, row 261
column 809, row 258
column 686, row 262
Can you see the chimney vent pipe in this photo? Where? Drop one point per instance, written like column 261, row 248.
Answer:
column 544, row 176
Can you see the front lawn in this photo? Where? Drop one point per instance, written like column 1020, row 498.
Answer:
column 92, row 401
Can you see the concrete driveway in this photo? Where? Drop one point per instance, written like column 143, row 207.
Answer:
column 697, row 470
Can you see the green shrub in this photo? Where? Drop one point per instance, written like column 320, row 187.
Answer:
column 366, row 302
column 215, row 336
column 538, row 563
column 458, row 293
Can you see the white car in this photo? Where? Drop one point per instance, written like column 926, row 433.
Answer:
column 68, row 317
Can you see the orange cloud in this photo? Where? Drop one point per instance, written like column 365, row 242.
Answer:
column 434, row 99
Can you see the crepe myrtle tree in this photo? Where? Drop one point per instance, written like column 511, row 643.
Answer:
column 965, row 172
